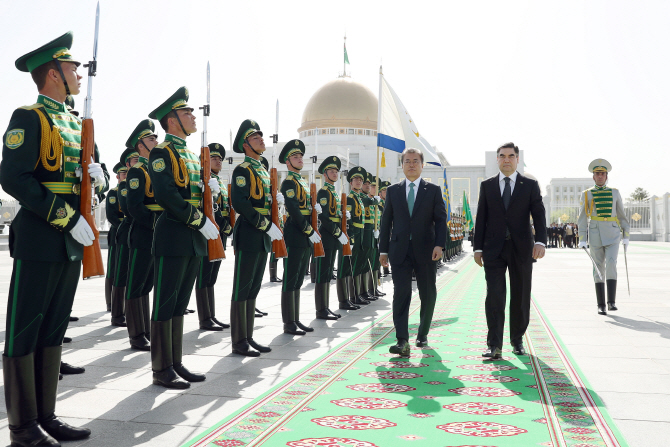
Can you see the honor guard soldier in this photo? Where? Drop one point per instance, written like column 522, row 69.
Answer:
column 355, row 230
column 180, row 238
column 273, row 260
column 144, row 210
column 330, row 225
column 252, row 236
column 41, row 168
column 602, row 220
column 114, row 217
column 376, row 214
column 209, row 271
column 382, row 194
column 298, row 234
column 368, row 241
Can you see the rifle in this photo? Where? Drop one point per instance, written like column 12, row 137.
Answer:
column 346, row 248
column 231, row 211
column 215, row 250
column 319, row 252
column 278, row 247
column 92, row 266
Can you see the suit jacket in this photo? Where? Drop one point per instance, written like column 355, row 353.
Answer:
column 427, row 226
column 492, row 219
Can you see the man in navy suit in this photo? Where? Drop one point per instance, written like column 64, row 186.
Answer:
column 412, row 236
column 504, row 240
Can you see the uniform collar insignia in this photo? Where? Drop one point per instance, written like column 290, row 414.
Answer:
column 51, row 103
column 175, row 139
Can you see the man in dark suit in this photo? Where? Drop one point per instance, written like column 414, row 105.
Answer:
column 412, row 236
column 504, row 240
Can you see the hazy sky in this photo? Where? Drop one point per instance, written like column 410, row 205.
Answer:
column 566, row 81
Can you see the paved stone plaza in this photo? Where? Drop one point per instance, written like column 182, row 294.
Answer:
column 625, row 356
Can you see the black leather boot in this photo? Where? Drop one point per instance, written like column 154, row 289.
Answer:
column 611, row 294
column 288, row 312
column 238, row 329
column 177, row 339
column 118, row 301
column 312, row 271
column 259, row 313
column 66, row 368
column 358, row 298
column 47, row 366
column 386, row 271
column 273, row 272
column 21, row 401
column 370, row 282
column 135, row 322
column 161, row 357
column 204, row 315
column 321, row 292
column 146, row 313
column 343, row 295
column 251, row 307
column 212, row 308
column 378, row 292
column 600, row 296
column 296, row 314
column 108, row 293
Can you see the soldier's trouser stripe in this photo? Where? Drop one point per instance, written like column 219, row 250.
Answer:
column 140, row 273
column 15, row 295
column 325, row 264
column 248, row 275
column 157, row 292
column 238, row 262
column 177, row 275
column 131, row 273
column 110, row 261
column 121, row 275
column 295, row 267
column 204, row 259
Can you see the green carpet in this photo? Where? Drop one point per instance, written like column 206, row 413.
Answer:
column 359, row 395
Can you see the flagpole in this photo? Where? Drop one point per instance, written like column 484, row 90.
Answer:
column 379, row 122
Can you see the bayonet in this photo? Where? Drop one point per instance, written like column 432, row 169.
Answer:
column 92, row 67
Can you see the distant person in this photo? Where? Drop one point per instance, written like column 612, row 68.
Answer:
column 504, row 240
column 412, row 237
column 604, row 208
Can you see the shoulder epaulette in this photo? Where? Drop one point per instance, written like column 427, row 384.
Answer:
column 33, row 107
column 163, row 145
column 324, row 187
column 244, row 165
column 351, row 194
column 138, row 165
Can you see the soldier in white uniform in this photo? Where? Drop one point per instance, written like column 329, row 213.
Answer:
column 604, row 207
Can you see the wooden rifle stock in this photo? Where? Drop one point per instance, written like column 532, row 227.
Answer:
column 346, row 248
column 92, row 266
column 278, row 247
column 319, row 252
column 215, row 250
column 231, row 211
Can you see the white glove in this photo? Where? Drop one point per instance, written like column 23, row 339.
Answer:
column 209, row 230
column 96, row 173
column 582, row 244
column 315, row 238
column 343, row 239
column 214, row 186
column 625, row 242
column 348, row 215
column 376, row 233
column 82, row 232
column 317, row 207
column 280, row 198
column 378, row 199
column 275, row 233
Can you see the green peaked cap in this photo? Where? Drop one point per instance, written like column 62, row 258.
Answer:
column 247, row 128
column 356, row 171
column 144, row 129
column 130, row 152
column 177, row 101
column 385, row 184
column 330, row 163
column 119, row 168
column 217, row 150
column 291, row 148
column 57, row 49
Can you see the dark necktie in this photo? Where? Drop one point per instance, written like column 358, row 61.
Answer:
column 410, row 198
column 507, row 193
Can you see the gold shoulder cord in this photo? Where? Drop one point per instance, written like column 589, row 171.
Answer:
column 179, row 171
column 300, row 191
column 256, row 185
column 148, row 190
column 51, row 145
column 357, row 208
column 332, row 204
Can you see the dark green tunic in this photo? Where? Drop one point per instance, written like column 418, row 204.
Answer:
column 330, row 220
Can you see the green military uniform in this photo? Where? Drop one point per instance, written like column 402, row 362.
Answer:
column 355, row 230
column 272, row 265
column 178, row 245
column 369, row 280
column 41, row 156
column 297, row 231
column 330, row 225
column 115, row 217
column 209, row 271
column 144, row 211
column 250, row 196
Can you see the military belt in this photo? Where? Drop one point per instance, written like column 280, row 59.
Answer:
column 154, row 207
column 605, row 219
column 263, row 211
column 335, row 219
column 305, row 212
column 62, row 187
column 225, row 213
column 358, row 225
column 195, row 203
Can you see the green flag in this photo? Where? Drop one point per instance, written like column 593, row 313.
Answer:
column 466, row 211
column 346, row 58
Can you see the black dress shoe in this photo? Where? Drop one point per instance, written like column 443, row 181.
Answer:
column 401, row 348
column 303, row 327
column 257, row 347
column 63, row 431
column 74, row 318
column 611, row 306
column 601, row 310
column 348, row 305
column 60, row 376
column 168, row 378
column 519, row 349
column 66, row 368
column 223, row 325
column 258, row 311
column 293, row 329
column 67, row 339
column 333, row 313
column 421, row 342
column 325, row 315
column 379, row 293
column 140, row 343
column 187, row 375
column 493, row 353
column 209, row 325
column 242, row 348
column 189, row 311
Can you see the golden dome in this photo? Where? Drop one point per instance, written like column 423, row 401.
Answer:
column 341, row 103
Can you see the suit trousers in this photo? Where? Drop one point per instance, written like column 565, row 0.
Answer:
column 520, row 278
column 426, row 274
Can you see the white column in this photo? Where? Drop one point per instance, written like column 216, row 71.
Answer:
column 652, row 217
